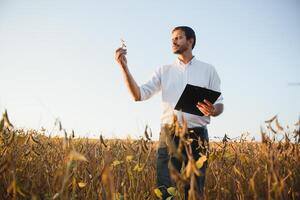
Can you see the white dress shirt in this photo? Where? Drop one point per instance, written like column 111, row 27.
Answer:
column 171, row 81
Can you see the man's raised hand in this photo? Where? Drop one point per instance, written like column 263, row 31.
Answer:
column 120, row 57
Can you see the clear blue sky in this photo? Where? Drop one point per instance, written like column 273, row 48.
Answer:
column 57, row 60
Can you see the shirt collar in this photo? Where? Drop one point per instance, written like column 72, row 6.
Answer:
column 179, row 62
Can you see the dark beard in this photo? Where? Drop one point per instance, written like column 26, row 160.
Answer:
column 180, row 50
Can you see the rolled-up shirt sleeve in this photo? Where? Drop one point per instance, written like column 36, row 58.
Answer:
column 151, row 87
column 215, row 84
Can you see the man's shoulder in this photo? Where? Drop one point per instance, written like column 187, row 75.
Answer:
column 200, row 63
column 167, row 67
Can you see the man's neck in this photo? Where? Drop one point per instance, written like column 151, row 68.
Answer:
column 185, row 57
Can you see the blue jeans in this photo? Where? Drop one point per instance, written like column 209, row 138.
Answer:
column 163, row 158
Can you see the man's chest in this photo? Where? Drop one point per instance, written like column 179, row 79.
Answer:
column 175, row 80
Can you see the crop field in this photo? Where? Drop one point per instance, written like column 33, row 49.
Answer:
column 34, row 165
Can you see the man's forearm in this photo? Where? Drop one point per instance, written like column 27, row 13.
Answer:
column 218, row 109
column 131, row 84
column 133, row 87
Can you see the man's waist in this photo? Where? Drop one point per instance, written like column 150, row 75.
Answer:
column 190, row 120
column 168, row 126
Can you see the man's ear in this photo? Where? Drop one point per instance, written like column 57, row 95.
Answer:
column 191, row 41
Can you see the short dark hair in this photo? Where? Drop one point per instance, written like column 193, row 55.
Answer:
column 189, row 33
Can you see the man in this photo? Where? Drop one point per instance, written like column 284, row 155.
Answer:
column 171, row 80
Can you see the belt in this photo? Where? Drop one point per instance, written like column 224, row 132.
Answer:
column 197, row 128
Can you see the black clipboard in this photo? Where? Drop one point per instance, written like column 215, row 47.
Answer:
column 191, row 95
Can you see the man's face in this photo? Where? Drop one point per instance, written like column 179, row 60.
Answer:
column 179, row 42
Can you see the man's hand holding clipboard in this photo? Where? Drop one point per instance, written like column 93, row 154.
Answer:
column 206, row 107
column 198, row 101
